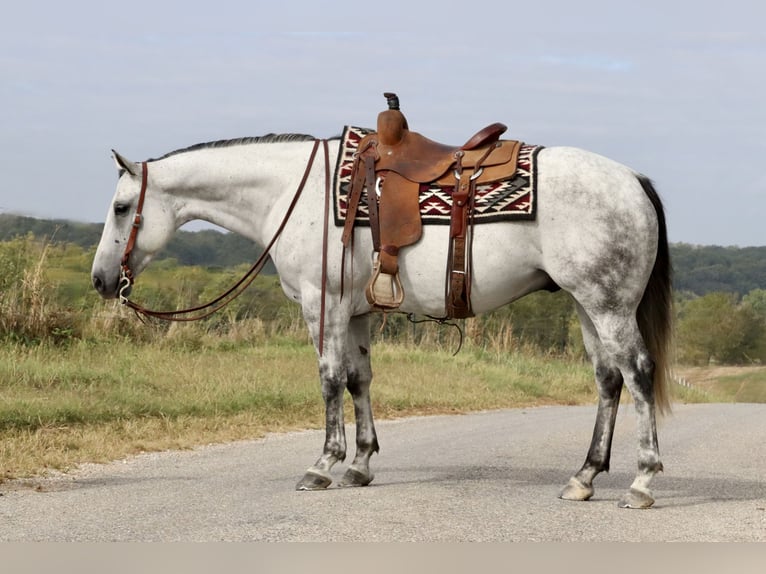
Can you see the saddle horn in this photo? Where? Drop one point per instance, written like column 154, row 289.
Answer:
column 392, row 99
column 391, row 122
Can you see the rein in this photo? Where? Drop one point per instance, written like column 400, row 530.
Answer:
column 127, row 276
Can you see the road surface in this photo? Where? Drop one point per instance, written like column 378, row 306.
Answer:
column 491, row 476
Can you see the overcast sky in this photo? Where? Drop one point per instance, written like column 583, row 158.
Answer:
column 674, row 89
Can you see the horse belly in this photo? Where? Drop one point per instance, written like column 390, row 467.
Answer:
column 505, row 263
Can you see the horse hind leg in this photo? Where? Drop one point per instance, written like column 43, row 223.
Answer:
column 609, row 383
column 358, row 384
column 638, row 371
column 639, row 381
column 625, row 349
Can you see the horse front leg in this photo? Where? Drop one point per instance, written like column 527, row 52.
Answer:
column 358, row 384
column 333, row 377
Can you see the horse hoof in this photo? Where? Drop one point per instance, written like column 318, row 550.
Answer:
column 636, row 499
column 576, row 490
column 314, row 480
column 354, row 477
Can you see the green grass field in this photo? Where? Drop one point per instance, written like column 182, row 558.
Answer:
column 95, row 402
column 744, row 388
column 726, row 383
column 62, row 405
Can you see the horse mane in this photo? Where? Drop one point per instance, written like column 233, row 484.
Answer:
column 268, row 138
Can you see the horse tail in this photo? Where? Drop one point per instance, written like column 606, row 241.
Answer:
column 655, row 312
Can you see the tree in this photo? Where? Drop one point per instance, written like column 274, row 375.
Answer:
column 756, row 300
column 717, row 328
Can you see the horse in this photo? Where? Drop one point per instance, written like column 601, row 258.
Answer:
column 599, row 234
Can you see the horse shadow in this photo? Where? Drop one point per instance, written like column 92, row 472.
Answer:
column 670, row 490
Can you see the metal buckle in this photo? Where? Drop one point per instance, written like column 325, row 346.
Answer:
column 477, row 174
column 125, row 285
column 473, row 176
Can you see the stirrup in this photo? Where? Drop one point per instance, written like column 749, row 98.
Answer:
column 383, row 289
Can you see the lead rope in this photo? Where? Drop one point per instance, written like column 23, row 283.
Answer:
column 324, row 246
column 442, row 322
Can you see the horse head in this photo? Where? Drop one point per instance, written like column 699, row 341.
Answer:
column 139, row 223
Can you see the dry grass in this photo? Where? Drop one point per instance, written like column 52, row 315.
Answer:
column 727, row 383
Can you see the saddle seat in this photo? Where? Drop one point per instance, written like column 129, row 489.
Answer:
column 422, row 160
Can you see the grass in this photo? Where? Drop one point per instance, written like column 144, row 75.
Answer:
column 94, row 402
column 420, row 381
column 725, row 383
column 744, row 388
column 61, row 406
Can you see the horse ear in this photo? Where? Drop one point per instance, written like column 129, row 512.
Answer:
column 125, row 164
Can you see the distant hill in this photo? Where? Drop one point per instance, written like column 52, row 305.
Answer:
column 59, row 230
column 207, row 248
column 705, row 269
column 698, row 269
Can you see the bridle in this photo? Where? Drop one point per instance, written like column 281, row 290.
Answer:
column 126, row 273
column 127, row 276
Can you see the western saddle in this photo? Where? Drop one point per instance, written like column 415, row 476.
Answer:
column 391, row 164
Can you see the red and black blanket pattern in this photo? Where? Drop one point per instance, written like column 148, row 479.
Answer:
column 509, row 200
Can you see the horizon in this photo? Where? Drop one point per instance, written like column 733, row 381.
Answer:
column 191, row 228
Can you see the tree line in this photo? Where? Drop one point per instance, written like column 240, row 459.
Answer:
column 698, row 269
column 206, row 248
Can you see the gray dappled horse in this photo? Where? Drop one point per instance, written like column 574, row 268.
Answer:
column 599, row 234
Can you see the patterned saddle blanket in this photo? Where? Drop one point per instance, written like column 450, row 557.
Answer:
column 514, row 199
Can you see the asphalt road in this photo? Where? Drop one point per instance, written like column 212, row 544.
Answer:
column 490, row 476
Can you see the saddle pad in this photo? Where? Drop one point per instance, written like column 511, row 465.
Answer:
column 508, row 200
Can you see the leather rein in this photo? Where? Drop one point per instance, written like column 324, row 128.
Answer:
column 127, row 276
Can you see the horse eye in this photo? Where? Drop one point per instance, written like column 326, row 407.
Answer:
column 121, row 209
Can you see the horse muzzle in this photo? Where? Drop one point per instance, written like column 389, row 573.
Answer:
column 111, row 289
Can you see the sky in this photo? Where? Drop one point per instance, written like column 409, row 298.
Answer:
column 674, row 89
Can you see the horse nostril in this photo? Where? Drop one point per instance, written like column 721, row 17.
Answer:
column 98, row 283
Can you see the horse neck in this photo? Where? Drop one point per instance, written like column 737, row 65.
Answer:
column 237, row 188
